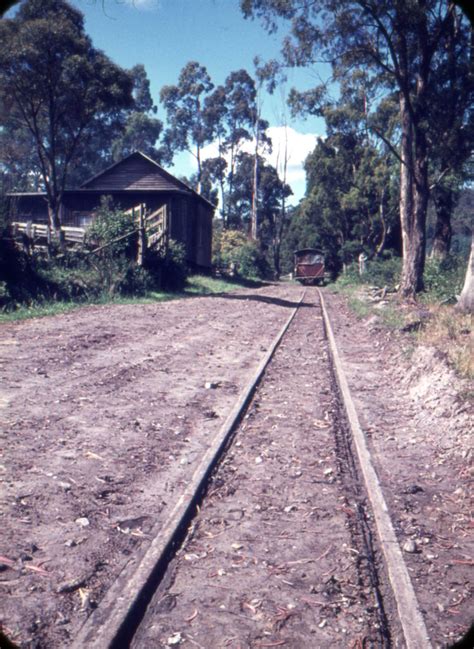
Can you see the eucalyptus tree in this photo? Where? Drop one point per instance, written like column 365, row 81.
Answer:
column 133, row 129
column 191, row 119
column 141, row 129
column 466, row 299
column 272, row 214
column 16, row 146
column 451, row 128
column 345, row 210
column 232, row 109
column 398, row 45
column 211, row 172
column 58, row 88
column 271, row 192
column 239, row 117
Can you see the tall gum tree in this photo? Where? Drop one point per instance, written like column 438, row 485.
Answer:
column 191, row 120
column 142, row 129
column 240, row 116
column 399, row 44
column 451, row 131
column 232, row 109
column 57, row 87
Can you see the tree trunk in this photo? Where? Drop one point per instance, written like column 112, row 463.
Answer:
column 408, row 279
column 421, row 196
column 54, row 222
column 254, row 213
column 383, row 236
column 276, row 258
column 225, row 223
column 466, row 300
column 414, row 194
column 141, row 251
column 443, row 201
column 199, row 170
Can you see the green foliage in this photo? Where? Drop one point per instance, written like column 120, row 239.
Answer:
column 416, row 53
column 207, row 285
column 104, row 267
column 250, row 261
column 112, row 267
column 196, row 285
column 348, row 188
column 233, row 250
column 168, row 269
column 56, row 91
column 141, row 129
column 444, row 279
column 191, row 120
column 18, row 280
column 383, row 272
column 379, row 272
column 107, row 229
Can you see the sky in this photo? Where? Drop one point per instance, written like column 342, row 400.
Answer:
column 164, row 35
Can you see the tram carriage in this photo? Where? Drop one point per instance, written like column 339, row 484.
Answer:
column 309, row 266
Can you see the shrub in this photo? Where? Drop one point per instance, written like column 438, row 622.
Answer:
column 235, row 249
column 444, row 279
column 109, row 229
column 383, row 272
column 18, row 274
column 167, row 269
column 113, row 244
column 379, row 272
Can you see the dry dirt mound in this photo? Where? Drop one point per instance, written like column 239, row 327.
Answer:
column 443, row 400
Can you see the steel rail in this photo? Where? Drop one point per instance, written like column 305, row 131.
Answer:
column 114, row 622
column 411, row 618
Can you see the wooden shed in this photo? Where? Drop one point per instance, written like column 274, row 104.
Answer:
column 170, row 205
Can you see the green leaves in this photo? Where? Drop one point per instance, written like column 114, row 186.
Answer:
column 189, row 125
column 59, row 90
column 348, row 194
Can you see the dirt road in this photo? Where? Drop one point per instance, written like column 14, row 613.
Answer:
column 106, row 410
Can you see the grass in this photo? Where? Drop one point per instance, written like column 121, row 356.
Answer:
column 197, row 285
column 359, row 307
column 442, row 327
column 392, row 317
column 450, row 332
column 206, row 285
column 39, row 311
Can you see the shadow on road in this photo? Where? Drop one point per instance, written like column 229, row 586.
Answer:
column 263, row 298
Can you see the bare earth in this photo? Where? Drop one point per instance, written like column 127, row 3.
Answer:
column 105, row 411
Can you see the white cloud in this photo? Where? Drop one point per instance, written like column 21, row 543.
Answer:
column 145, row 4
column 298, row 146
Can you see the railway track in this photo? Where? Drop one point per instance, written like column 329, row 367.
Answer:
column 282, row 536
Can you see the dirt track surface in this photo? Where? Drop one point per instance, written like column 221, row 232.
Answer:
column 106, row 409
column 274, row 557
column 417, row 417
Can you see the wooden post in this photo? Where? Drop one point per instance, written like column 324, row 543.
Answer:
column 141, row 236
column 167, row 224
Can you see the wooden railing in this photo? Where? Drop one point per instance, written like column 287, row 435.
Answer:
column 35, row 231
column 152, row 229
column 156, row 226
